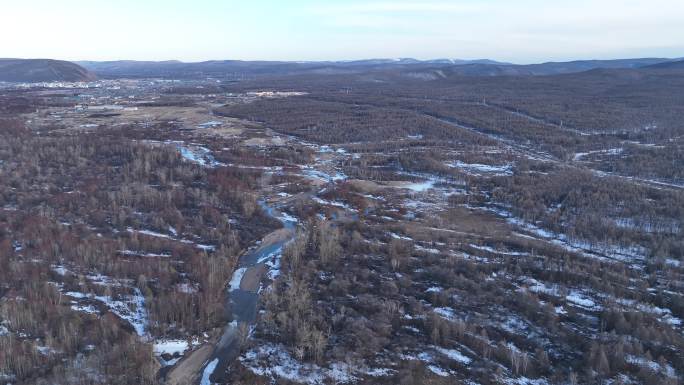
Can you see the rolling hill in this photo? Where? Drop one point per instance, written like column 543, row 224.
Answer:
column 678, row 64
column 42, row 70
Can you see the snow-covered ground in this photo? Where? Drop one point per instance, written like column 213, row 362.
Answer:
column 210, row 124
column 133, row 253
column 446, row 312
column 128, row 307
column 582, row 299
column 89, row 309
column 274, row 266
column 397, row 236
column 174, row 348
column 611, row 151
column 420, row 186
column 575, row 297
column 429, row 359
column 275, row 361
column 312, row 173
column 539, row 287
column 61, row 270
column 170, row 347
column 670, row 227
column 633, row 254
column 287, row 218
column 429, row 250
column 479, row 169
column 663, row 314
column 454, row 355
column 666, row 369
column 155, row 234
column 495, row 251
column 332, row 203
column 198, row 154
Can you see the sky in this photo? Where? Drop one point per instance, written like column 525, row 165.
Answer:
column 518, row 31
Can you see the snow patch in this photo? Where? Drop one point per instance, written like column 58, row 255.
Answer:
column 580, row 299
column 208, row 371
column 237, row 278
column 420, row 186
column 61, row 270
column 665, row 369
column 446, row 313
column 88, row 309
column 171, row 347
column 454, row 355
column 285, row 217
column 276, row 362
column 438, row 371
column 478, row 169
column 132, row 253
column 199, row 155
column 130, row 308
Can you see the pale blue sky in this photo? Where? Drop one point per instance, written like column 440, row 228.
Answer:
column 519, row 31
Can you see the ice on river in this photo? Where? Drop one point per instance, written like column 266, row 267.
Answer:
column 237, row 278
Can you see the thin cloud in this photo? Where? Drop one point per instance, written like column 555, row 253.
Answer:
column 385, row 7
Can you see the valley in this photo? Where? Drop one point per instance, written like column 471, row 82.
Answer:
column 364, row 228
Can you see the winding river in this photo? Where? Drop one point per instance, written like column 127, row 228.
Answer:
column 242, row 299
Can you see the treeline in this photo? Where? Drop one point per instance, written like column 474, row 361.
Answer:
column 335, row 122
column 623, row 103
column 596, row 210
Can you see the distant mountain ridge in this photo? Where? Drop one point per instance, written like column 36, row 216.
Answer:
column 678, row 64
column 47, row 70
column 42, row 70
column 128, row 68
column 425, row 69
column 542, row 69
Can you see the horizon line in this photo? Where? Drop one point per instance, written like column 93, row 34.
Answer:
column 397, row 59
